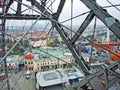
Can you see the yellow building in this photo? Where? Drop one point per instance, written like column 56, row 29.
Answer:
column 44, row 63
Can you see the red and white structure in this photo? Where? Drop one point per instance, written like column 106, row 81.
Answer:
column 29, row 62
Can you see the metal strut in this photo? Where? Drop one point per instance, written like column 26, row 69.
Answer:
column 62, row 33
column 84, row 25
column 100, row 80
column 112, row 23
column 3, row 47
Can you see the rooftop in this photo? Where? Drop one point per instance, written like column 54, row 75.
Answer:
column 49, row 78
column 53, row 52
column 58, row 76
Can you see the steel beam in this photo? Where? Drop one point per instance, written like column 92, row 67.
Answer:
column 71, row 48
column 59, row 10
column 43, row 10
column 66, row 39
column 19, row 6
column 112, row 82
column 96, row 84
column 7, row 5
column 61, row 31
column 89, row 79
column 22, row 17
column 112, row 23
column 4, row 50
column 84, row 25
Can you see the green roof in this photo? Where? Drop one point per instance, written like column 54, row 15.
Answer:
column 53, row 52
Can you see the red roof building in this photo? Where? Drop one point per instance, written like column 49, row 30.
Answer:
column 29, row 56
column 116, row 56
column 29, row 62
column 105, row 45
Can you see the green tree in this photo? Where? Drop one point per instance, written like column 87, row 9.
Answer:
column 17, row 50
column 26, row 43
column 49, row 41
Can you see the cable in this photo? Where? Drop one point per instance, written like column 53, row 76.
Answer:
column 113, row 5
column 42, row 50
column 71, row 16
column 75, row 17
column 87, row 12
column 10, row 77
column 51, row 6
column 3, row 46
column 93, row 36
column 51, row 54
column 16, row 81
column 51, row 3
column 53, row 20
column 19, row 40
column 62, row 25
column 47, row 52
column 78, row 34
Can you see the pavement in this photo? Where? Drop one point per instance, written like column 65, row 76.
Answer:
column 55, row 87
column 19, row 82
column 26, row 84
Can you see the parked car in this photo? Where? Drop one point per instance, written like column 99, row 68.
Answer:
column 28, row 74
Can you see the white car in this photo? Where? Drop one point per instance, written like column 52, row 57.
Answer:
column 27, row 76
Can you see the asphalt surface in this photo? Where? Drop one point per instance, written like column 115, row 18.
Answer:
column 55, row 87
column 19, row 82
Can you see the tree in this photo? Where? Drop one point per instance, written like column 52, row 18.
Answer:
column 26, row 43
column 49, row 41
column 56, row 41
column 17, row 50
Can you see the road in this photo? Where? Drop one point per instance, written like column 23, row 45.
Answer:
column 25, row 84
column 55, row 87
column 19, row 82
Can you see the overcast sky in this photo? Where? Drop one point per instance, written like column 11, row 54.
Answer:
column 78, row 8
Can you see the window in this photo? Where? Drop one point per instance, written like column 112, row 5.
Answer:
column 25, row 62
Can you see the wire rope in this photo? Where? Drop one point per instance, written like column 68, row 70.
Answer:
column 113, row 5
column 71, row 30
column 77, row 33
column 55, row 21
column 93, row 36
column 71, row 16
